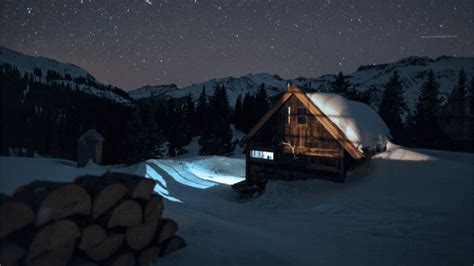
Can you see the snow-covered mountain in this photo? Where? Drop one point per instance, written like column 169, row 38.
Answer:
column 412, row 72
column 235, row 87
column 152, row 91
column 69, row 74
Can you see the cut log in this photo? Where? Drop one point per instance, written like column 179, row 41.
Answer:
column 11, row 255
column 139, row 187
column 123, row 259
column 139, row 236
column 107, row 198
column 127, row 213
column 14, row 216
column 148, row 255
column 166, row 229
column 53, row 237
column 92, row 236
column 171, row 245
column 105, row 192
column 107, row 248
column 58, row 257
column 154, row 209
column 54, row 200
column 144, row 189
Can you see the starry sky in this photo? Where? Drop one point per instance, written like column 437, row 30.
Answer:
column 132, row 43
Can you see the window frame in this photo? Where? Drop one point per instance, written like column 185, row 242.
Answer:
column 301, row 115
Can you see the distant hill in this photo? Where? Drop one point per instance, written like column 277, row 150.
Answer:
column 412, row 71
column 49, row 71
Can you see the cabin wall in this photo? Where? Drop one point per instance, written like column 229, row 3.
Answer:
column 302, row 148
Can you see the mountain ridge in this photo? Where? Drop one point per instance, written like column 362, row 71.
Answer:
column 64, row 73
column 412, row 70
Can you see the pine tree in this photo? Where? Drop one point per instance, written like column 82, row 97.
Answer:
column 201, row 113
column 471, row 114
column 190, row 113
column 217, row 139
column 340, row 85
column 237, row 112
column 425, row 123
column 393, row 106
column 457, row 98
column 261, row 103
column 152, row 132
column 134, row 141
column 178, row 132
column 248, row 118
column 471, row 97
column 456, row 112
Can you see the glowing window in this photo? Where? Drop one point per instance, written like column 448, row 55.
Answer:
column 266, row 155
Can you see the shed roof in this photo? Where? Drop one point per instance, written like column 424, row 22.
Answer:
column 91, row 135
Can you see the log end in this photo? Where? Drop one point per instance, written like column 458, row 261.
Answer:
column 171, row 245
column 14, row 216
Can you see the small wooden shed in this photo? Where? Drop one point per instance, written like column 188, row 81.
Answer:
column 89, row 147
column 311, row 135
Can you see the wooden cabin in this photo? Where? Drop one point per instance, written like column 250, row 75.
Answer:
column 310, row 135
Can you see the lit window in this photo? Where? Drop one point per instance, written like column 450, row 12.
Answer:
column 266, row 155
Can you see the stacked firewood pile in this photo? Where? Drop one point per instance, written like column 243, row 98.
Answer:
column 113, row 219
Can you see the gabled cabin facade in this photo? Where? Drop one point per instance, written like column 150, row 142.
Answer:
column 296, row 140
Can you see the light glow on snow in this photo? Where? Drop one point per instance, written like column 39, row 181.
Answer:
column 395, row 152
column 160, row 187
column 205, row 174
column 174, row 171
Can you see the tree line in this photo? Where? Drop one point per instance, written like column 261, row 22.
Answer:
column 47, row 118
column 433, row 123
column 173, row 123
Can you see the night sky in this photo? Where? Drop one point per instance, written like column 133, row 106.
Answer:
column 132, row 43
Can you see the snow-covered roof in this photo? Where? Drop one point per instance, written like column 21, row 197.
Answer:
column 91, row 135
column 360, row 123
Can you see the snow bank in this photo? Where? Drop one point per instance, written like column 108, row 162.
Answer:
column 360, row 123
column 411, row 207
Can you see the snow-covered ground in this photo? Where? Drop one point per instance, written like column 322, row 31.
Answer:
column 410, row 207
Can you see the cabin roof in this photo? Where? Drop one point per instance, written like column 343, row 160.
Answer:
column 361, row 125
column 355, row 125
column 91, row 135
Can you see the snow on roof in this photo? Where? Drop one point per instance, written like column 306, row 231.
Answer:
column 359, row 122
column 91, row 135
